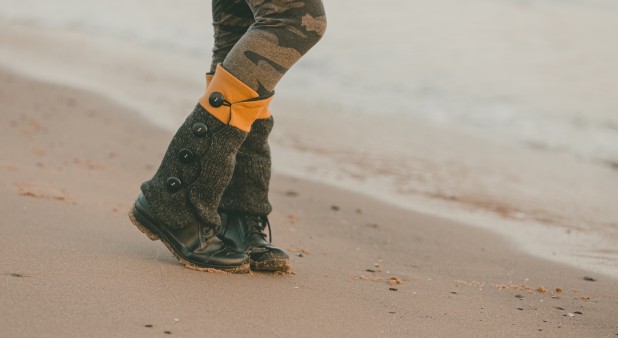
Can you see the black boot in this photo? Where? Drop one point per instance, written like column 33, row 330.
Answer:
column 179, row 204
column 196, row 247
column 247, row 233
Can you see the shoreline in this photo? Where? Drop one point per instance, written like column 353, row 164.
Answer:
column 74, row 265
column 423, row 167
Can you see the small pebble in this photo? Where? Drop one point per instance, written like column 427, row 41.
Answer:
column 334, row 207
column 454, row 292
column 394, row 280
column 569, row 314
column 370, row 270
column 167, row 332
column 393, row 289
column 300, row 254
column 590, row 279
column 578, row 313
column 391, row 312
column 148, row 325
column 519, row 296
column 559, row 308
column 520, row 309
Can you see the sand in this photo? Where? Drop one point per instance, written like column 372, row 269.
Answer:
column 548, row 200
column 72, row 265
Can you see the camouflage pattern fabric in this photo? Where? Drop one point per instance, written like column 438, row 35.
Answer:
column 257, row 41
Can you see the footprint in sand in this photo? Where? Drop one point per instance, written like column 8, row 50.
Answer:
column 49, row 193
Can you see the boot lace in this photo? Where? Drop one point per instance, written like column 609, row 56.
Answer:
column 257, row 225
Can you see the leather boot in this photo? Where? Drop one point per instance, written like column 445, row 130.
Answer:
column 179, row 204
column 247, row 233
column 196, row 247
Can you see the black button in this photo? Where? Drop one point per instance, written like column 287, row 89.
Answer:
column 199, row 129
column 173, row 184
column 185, row 155
column 216, row 99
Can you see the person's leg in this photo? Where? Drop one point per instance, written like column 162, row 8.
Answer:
column 179, row 204
column 284, row 30
column 230, row 19
column 245, row 204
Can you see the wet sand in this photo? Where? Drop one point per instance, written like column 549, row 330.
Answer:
column 73, row 265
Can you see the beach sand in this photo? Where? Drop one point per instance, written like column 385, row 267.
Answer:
column 545, row 199
column 74, row 266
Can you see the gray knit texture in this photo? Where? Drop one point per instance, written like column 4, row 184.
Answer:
column 248, row 189
column 203, row 180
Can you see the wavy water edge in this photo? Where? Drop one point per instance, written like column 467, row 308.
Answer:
column 541, row 73
column 410, row 176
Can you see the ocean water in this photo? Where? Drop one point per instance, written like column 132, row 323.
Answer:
column 498, row 113
column 536, row 72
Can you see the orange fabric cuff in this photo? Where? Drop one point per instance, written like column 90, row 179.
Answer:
column 265, row 113
column 237, row 111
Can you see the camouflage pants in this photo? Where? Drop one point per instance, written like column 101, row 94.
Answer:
column 257, row 41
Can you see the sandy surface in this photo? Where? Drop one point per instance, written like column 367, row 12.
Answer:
column 73, row 265
column 547, row 201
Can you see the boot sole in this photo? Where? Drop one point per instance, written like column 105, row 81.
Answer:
column 154, row 235
column 271, row 264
